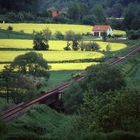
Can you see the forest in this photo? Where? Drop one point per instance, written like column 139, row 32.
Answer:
column 87, row 12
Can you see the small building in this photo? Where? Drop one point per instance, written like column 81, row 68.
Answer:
column 98, row 30
column 110, row 19
column 55, row 13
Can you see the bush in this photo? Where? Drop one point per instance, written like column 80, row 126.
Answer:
column 122, row 135
column 59, row 35
column 110, row 111
column 89, row 20
column 103, row 78
column 40, row 41
column 133, row 34
column 73, row 98
column 22, row 136
column 22, row 31
column 3, row 128
column 116, row 135
column 92, row 46
column 9, row 28
column 108, row 47
column 118, row 35
column 67, row 48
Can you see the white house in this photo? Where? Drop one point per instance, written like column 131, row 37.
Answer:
column 98, row 30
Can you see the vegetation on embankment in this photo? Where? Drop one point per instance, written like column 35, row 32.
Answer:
column 131, row 69
column 44, row 123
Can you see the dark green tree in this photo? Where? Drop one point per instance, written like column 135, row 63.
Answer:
column 114, row 110
column 31, row 63
column 40, row 39
column 59, row 35
column 99, row 14
column 103, row 78
column 6, row 80
column 89, row 20
column 74, row 38
column 21, row 76
column 74, row 12
column 73, row 98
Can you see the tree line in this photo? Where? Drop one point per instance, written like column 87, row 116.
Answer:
column 83, row 12
column 103, row 101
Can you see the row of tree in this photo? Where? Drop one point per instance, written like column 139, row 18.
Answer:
column 20, row 80
column 74, row 41
column 103, row 102
column 93, row 12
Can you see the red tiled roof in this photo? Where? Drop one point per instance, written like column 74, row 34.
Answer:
column 101, row 27
column 55, row 14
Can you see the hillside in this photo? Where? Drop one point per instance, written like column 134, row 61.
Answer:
column 87, row 12
column 61, row 78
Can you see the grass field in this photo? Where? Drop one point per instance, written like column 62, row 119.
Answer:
column 54, row 44
column 28, row 28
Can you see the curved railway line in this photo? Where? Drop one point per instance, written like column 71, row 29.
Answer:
column 21, row 108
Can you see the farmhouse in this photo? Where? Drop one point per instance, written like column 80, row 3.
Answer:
column 55, row 13
column 98, row 30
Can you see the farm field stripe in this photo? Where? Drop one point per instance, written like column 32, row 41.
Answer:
column 30, row 27
column 52, row 55
column 56, row 91
column 54, row 44
column 64, row 66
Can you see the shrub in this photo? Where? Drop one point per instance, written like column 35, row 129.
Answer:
column 103, row 78
column 67, row 48
column 92, row 46
column 122, row 135
column 110, row 111
column 40, row 41
column 108, row 47
column 9, row 28
column 59, row 35
column 133, row 34
column 73, row 98
column 3, row 128
column 116, row 135
column 22, row 136
column 22, row 31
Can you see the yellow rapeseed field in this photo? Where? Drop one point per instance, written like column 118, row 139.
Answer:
column 64, row 66
column 29, row 28
column 70, row 66
column 6, row 56
column 54, row 44
column 56, row 52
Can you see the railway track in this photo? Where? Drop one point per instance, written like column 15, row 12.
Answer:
column 21, row 108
